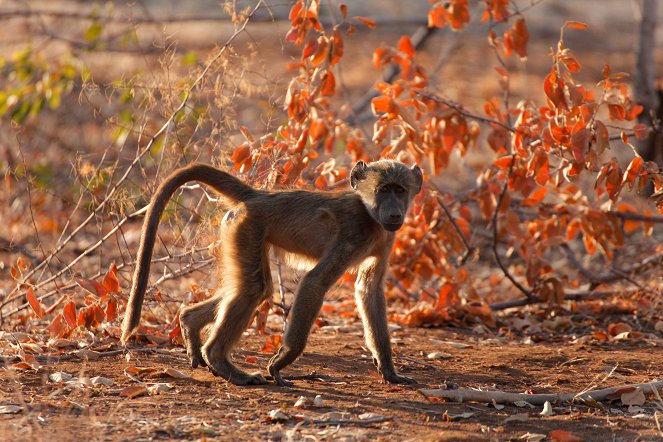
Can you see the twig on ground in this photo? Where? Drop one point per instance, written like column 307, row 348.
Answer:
column 462, row 395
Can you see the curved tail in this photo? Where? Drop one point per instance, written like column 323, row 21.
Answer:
column 224, row 183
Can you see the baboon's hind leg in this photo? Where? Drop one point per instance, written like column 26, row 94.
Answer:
column 193, row 320
column 247, row 282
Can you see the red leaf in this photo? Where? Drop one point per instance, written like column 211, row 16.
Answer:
column 367, row 21
column 111, row 282
column 617, row 112
column 632, row 171
column 535, row 197
column 310, row 48
column 344, row 10
column 405, row 45
column 381, row 104
column 272, row 344
column 641, row 131
column 328, row 85
column 57, row 327
column 575, row 25
column 69, row 313
column 337, row 48
column 34, row 302
column 92, row 286
column 111, row 310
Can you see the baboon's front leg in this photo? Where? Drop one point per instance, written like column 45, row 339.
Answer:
column 305, row 309
column 193, row 319
column 369, row 295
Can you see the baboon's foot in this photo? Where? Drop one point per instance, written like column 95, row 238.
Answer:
column 192, row 344
column 394, row 378
column 278, row 379
column 234, row 375
column 230, row 372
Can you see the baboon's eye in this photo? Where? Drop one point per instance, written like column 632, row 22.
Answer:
column 399, row 189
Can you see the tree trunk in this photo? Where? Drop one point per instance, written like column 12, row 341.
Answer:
column 651, row 148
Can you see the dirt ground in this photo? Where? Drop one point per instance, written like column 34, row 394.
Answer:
column 355, row 404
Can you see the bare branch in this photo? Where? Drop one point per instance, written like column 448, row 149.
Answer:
column 463, row 394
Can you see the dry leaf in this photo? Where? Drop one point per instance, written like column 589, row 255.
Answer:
column 520, row 417
column 634, row 397
column 133, row 391
column 159, row 388
column 10, row 409
column 60, row 376
column 439, row 355
column 99, row 380
column 278, row 416
column 547, row 409
column 175, row 373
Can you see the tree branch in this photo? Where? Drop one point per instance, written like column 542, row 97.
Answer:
column 463, row 394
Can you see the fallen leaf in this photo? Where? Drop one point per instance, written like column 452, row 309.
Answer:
column 176, row 374
column 99, row 380
column 533, row 437
column 133, row 391
column 564, row 436
column 302, row 402
column 60, row 376
column 634, row 397
column 10, row 409
column 520, row 417
column 439, row 355
column 278, row 416
column 497, row 406
column 547, row 409
column 159, row 388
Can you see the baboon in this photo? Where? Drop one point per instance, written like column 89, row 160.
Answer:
column 326, row 232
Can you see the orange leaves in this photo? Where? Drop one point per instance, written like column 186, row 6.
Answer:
column 303, row 17
column 34, row 303
column 617, row 112
column 539, row 167
column 69, row 314
column 553, row 86
column 367, row 21
column 405, row 46
column 575, row 25
column 328, row 84
column 451, row 12
column 516, row 39
column 498, row 10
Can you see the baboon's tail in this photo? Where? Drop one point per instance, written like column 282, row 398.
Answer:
column 224, row 183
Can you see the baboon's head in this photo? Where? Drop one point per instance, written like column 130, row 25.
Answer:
column 386, row 187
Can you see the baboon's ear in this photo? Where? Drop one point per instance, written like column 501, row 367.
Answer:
column 358, row 173
column 418, row 178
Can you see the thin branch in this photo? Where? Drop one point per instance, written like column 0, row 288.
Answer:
column 141, row 152
column 526, row 292
column 468, row 247
column 615, row 274
column 575, row 296
column 459, row 109
column 419, row 37
column 638, row 217
column 163, row 259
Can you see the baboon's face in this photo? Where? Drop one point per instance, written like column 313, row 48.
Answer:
column 386, row 187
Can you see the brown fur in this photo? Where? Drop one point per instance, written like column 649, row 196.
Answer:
column 329, row 233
